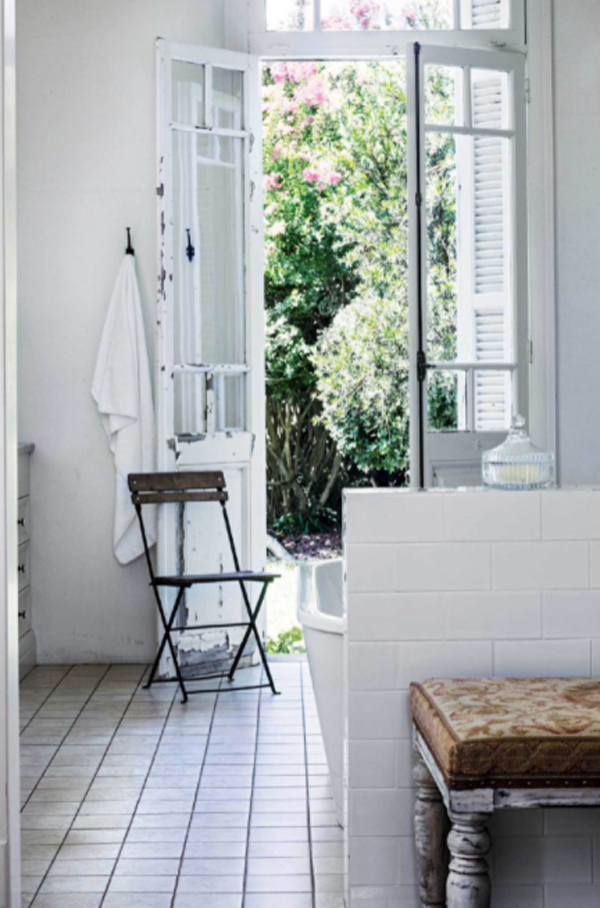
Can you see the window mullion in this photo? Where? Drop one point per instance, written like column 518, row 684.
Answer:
column 317, row 20
column 457, row 14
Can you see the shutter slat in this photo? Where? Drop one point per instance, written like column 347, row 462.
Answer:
column 490, row 387
column 488, row 183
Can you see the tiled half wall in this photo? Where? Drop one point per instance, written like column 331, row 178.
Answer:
column 465, row 583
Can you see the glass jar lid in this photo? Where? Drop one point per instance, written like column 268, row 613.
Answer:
column 516, row 446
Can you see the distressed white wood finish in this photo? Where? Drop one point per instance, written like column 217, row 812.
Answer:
column 468, row 880
column 199, row 544
column 468, row 883
column 431, row 833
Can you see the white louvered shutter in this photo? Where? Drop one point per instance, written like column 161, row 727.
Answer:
column 491, row 388
column 485, row 13
column 484, row 317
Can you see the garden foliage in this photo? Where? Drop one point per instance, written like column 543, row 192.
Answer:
column 336, row 197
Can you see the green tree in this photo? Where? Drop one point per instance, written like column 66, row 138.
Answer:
column 337, row 232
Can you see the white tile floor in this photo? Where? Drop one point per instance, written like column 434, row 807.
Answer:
column 132, row 799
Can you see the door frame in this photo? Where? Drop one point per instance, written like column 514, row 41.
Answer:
column 541, row 225
column 10, row 831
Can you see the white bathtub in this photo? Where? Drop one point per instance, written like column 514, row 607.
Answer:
column 321, row 614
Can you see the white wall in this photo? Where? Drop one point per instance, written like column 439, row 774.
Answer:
column 577, row 129
column 466, row 584
column 86, row 109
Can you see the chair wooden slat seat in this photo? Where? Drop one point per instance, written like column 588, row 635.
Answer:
column 234, row 577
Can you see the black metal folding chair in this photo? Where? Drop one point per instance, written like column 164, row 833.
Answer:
column 166, row 488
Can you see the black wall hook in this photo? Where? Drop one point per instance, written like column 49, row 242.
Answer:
column 130, row 250
column 190, row 250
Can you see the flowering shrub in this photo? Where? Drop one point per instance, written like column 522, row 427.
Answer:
column 335, row 160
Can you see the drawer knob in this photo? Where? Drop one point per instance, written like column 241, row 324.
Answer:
column 23, row 615
column 21, row 568
column 21, row 522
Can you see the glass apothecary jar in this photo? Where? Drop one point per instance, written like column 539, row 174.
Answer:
column 517, row 463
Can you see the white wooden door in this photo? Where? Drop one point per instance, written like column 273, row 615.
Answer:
column 210, row 352
column 481, row 130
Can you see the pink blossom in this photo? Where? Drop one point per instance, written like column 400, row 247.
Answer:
column 277, row 152
column 311, row 175
column 364, row 9
column 272, row 181
column 302, row 71
column 279, row 72
column 296, row 72
column 322, row 176
column 337, row 23
column 313, row 94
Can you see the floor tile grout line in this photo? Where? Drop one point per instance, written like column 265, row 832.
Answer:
column 66, row 734
column 95, row 688
column 195, row 799
column 252, row 784
column 45, row 700
column 146, row 777
column 306, row 770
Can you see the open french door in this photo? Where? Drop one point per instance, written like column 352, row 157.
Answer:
column 210, row 353
column 469, row 316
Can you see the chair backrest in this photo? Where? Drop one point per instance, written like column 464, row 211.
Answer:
column 162, row 488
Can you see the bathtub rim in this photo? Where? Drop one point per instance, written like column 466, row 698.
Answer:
column 308, row 616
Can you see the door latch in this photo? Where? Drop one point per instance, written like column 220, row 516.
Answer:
column 190, row 250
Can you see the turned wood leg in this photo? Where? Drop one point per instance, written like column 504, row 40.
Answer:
column 468, row 880
column 431, row 833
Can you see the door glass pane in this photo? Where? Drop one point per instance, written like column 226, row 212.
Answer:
column 289, row 15
column 441, row 195
column 369, row 15
column 190, row 404
column 209, row 289
column 229, row 402
column 228, row 98
column 188, row 94
column 443, row 94
column 468, row 203
column 446, row 403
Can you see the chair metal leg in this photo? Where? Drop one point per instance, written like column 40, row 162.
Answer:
column 252, row 629
column 252, row 616
column 168, row 625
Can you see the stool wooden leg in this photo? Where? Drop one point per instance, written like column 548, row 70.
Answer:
column 431, row 833
column 468, row 881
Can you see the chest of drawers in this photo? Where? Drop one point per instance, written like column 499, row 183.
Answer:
column 27, row 641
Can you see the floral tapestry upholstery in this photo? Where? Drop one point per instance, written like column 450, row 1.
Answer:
column 510, row 732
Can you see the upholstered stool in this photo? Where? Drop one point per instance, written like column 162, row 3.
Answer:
column 488, row 744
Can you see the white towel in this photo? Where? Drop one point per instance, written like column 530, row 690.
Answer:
column 123, row 391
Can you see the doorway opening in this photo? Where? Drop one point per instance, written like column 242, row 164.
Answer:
column 335, row 149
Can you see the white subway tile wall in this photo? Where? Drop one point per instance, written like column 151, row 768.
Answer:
column 464, row 584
